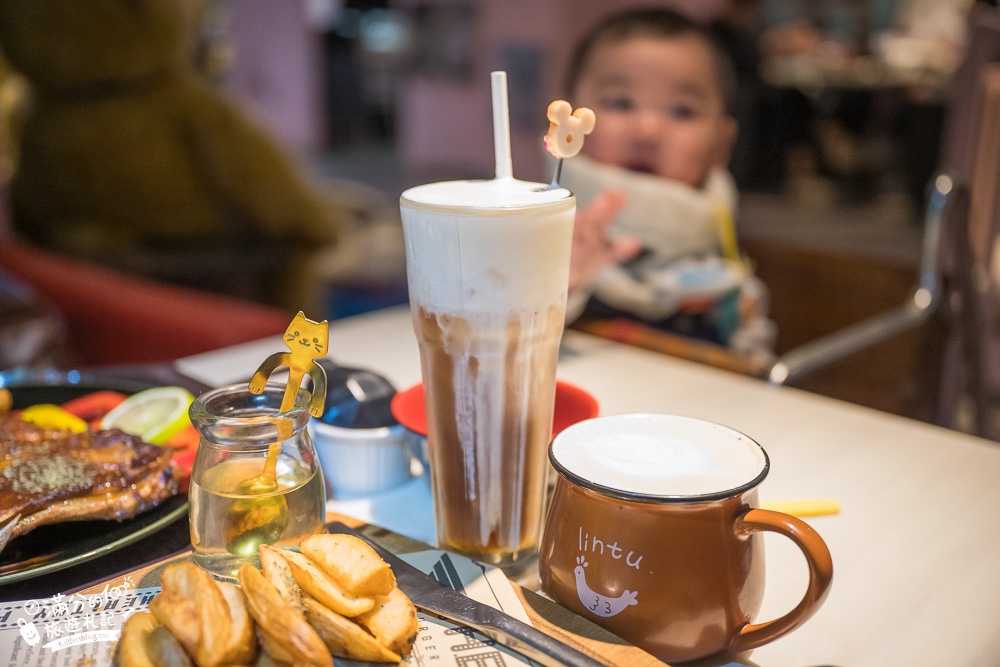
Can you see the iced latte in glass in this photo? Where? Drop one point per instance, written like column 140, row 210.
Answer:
column 488, row 267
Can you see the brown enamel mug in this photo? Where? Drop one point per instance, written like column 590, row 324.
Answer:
column 654, row 532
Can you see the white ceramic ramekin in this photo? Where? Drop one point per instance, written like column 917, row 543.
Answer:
column 358, row 461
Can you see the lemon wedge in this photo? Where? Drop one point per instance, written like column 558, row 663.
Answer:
column 154, row 414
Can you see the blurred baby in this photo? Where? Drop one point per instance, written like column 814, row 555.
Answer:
column 656, row 201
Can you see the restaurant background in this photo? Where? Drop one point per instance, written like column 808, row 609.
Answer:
column 375, row 96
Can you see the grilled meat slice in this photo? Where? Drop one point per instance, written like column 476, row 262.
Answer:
column 21, row 441
column 120, row 505
column 49, row 475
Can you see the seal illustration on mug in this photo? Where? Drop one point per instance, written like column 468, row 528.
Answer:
column 599, row 604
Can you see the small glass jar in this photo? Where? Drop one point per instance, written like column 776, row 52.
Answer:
column 232, row 511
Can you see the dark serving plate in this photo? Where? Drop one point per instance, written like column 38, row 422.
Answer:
column 58, row 546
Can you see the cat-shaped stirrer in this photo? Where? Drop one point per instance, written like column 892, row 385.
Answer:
column 307, row 341
column 566, row 131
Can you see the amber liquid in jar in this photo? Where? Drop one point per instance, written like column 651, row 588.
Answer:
column 230, row 516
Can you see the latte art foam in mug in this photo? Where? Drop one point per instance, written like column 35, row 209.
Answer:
column 659, row 455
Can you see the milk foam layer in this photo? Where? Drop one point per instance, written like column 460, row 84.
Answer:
column 659, row 455
column 497, row 193
column 479, row 247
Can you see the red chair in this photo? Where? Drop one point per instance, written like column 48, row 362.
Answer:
column 115, row 318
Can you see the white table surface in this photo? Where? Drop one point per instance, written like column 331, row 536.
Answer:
column 915, row 546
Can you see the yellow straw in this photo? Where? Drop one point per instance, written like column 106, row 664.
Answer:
column 727, row 231
column 805, row 507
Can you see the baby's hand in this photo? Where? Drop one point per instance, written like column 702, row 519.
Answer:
column 593, row 251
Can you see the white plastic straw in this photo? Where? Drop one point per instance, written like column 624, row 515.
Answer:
column 501, row 125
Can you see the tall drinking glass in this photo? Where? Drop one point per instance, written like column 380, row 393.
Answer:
column 488, row 267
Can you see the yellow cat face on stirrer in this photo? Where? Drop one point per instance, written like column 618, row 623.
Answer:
column 306, row 340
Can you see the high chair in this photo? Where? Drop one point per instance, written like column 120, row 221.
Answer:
column 971, row 377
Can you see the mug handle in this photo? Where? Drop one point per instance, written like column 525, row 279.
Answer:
column 820, row 565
